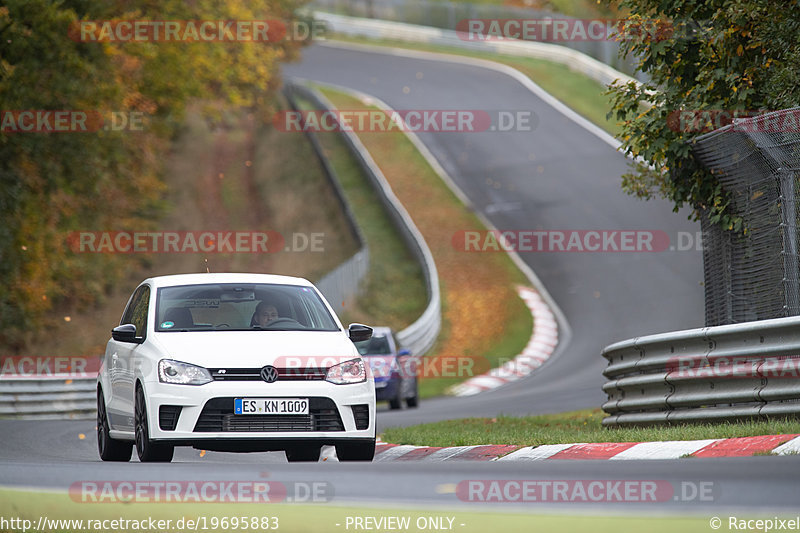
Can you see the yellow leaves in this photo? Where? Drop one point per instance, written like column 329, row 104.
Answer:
column 739, row 50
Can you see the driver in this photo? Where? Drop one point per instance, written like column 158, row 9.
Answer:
column 265, row 313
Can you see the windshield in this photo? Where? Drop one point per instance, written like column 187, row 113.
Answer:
column 377, row 345
column 238, row 307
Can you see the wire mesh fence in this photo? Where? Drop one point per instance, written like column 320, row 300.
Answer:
column 753, row 275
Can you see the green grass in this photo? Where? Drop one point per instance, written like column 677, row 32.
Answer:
column 318, row 518
column 395, row 293
column 580, row 93
column 575, row 426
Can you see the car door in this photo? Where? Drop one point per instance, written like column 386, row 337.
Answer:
column 121, row 362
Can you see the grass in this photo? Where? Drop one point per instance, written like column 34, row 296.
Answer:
column 575, row 426
column 394, row 293
column 580, row 93
column 483, row 318
column 318, row 518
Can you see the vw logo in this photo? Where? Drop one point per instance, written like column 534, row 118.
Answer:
column 269, row 374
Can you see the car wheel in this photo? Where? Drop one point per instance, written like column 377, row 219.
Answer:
column 397, row 401
column 356, row 451
column 147, row 450
column 413, row 401
column 110, row 449
column 306, row 453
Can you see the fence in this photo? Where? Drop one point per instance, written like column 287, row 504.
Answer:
column 446, row 15
column 753, row 276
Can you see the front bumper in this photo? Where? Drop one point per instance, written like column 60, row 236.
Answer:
column 338, row 412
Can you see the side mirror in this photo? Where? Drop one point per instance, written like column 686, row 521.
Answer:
column 359, row 332
column 126, row 333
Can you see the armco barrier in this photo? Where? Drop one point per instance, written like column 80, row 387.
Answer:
column 381, row 29
column 56, row 397
column 420, row 336
column 344, row 282
column 722, row 373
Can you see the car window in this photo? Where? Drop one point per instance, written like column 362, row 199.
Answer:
column 136, row 313
column 377, row 345
column 235, row 307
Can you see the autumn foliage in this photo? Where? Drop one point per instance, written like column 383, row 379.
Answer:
column 52, row 184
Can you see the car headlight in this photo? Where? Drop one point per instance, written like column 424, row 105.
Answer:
column 178, row 373
column 352, row 371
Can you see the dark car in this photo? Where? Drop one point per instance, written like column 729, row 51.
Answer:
column 393, row 368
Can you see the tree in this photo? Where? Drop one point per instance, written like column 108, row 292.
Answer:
column 52, row 184
column 710, row 55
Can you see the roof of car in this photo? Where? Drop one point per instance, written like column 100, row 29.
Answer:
column 224, row 277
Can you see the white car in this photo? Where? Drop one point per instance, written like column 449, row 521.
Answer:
column 233, row 362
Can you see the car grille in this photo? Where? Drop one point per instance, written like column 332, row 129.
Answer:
column 217, row 416
column 254, row 374
column 361, row 415
column 168, row 417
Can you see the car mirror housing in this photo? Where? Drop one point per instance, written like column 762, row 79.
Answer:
column 359, row 332
column 126, row 333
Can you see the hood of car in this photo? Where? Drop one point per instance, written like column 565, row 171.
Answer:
column 253, row 349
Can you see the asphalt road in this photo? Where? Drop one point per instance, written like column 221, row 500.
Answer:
column 559, row 176
column 58, row 459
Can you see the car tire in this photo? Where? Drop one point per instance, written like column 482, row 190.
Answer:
column 307, row 453
column 109, row 449
column 397, row 401
column 356, row 451
column 413, row 401
column 148, row 450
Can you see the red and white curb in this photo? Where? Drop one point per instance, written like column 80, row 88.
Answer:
column 541, row 346
column 615, row 451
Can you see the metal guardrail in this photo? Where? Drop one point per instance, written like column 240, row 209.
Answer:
column 345, row 281
column 48, row 398
column 420, row 336
column 381, row 29
column 722, row 373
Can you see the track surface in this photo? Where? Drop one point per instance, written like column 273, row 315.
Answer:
column 605, row 297
column 57, row 458
column 557, row 177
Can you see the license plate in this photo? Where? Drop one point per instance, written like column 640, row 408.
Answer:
column 270, row 406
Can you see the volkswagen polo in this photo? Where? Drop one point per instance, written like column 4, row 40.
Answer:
column 233, row 362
